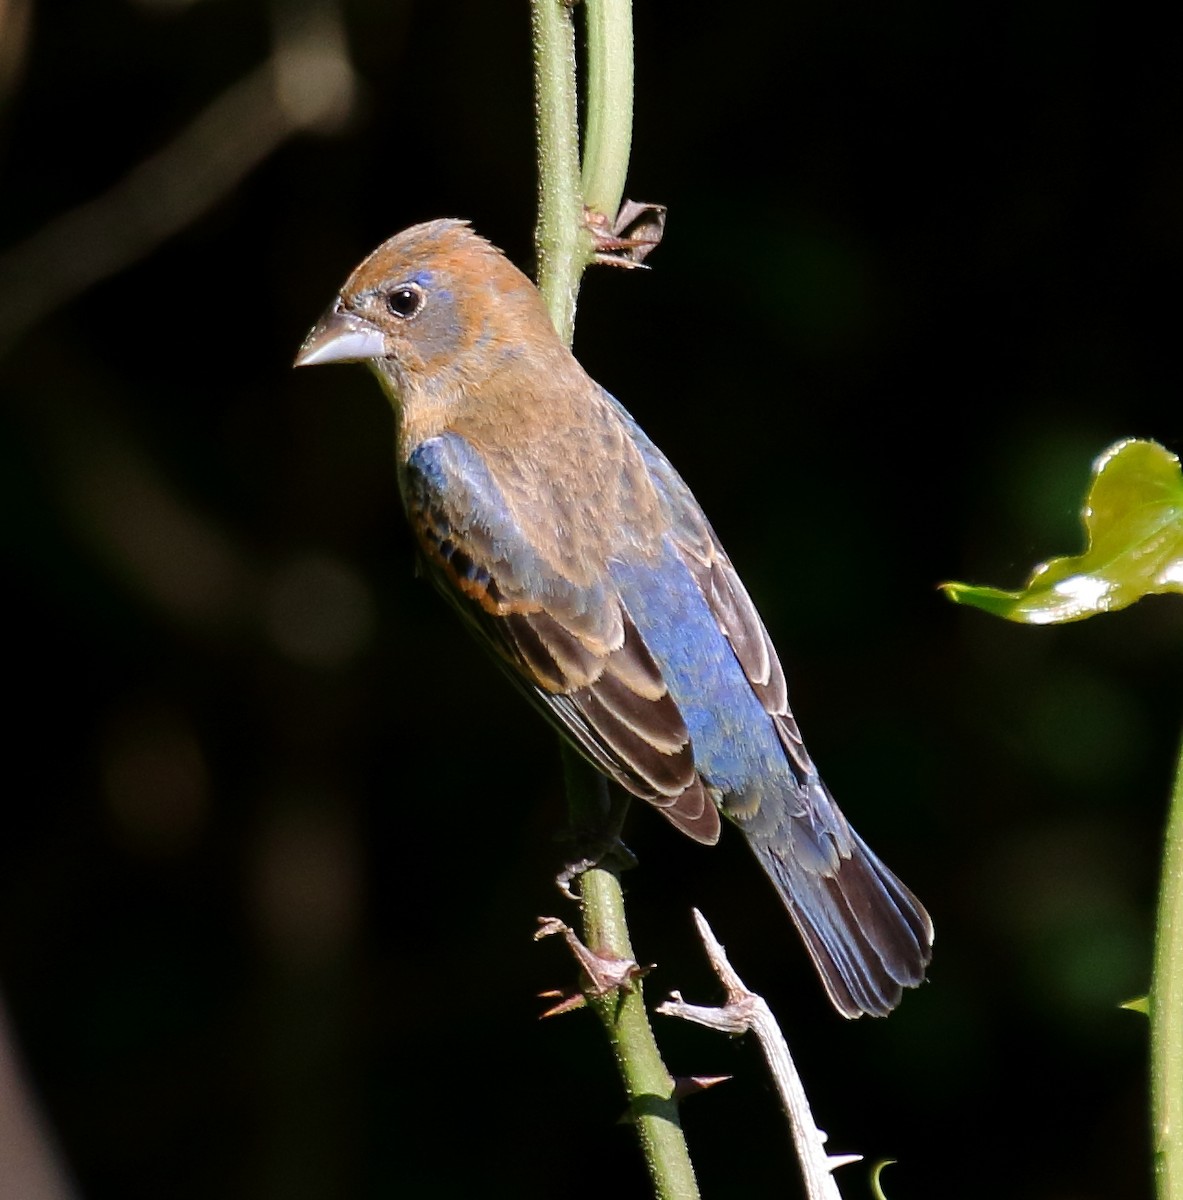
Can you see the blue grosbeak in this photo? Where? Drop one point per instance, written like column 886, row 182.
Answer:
column 581, row 560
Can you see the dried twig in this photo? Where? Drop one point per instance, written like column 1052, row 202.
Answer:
column 745, row 1011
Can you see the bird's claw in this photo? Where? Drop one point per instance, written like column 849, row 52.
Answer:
column 599, row 850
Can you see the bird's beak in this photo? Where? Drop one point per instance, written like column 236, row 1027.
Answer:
column 341, row 337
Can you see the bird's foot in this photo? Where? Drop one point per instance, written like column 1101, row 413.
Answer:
column 593, row 850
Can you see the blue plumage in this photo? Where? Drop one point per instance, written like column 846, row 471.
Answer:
column 735, row 744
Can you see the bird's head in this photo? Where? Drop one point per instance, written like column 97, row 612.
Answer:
column 433, row 310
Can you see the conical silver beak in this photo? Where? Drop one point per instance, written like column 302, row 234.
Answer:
column 341, row 337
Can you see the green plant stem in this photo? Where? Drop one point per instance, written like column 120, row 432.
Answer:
column 1166, row 1010
column 609, row 103
column 564, row 250
column 647, row 1083
column 562, row 241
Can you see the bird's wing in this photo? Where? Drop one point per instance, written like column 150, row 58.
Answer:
column 866, row 933
column 725, row 594
column 571, row 645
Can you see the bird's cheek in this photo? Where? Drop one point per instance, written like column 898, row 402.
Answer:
column 439, row 335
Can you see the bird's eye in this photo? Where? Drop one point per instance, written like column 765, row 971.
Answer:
column 405, row 301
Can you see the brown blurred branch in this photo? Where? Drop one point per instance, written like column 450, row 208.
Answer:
column 16, row 24
column 30, row 1165
column 307, row 84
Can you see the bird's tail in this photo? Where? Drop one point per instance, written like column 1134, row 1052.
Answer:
column 868, row 936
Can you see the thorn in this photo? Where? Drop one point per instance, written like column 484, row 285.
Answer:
column 604, row 974
column 629, row 239
column 690, row 1085
column 684, row 1085
column 834, row 1161
column 568, row 1002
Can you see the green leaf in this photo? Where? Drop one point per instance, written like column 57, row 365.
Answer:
column 1133, row 524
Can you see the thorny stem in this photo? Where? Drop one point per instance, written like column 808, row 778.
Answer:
column 564, row 250
column 1166, row 1010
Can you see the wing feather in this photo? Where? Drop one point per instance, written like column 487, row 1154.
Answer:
column 570, row 646
column 868, row 936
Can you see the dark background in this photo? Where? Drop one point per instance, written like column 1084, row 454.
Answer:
column 275, row 837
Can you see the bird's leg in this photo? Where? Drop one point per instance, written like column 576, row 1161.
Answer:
column 597, row 847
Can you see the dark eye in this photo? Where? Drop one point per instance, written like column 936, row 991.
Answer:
column 406, row 300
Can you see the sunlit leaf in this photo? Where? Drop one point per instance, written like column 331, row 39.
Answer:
column 1133, row 523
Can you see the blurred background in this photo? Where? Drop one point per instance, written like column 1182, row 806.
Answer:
column 275, row 836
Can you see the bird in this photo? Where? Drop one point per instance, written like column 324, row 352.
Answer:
column 577, row 555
